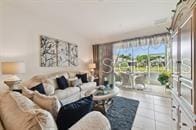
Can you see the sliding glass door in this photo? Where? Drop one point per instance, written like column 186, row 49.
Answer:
column 157, row 62
column 148, row 59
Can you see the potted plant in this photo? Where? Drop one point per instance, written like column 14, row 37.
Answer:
column 164, row 78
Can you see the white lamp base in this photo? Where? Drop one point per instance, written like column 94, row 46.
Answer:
column 12, row 80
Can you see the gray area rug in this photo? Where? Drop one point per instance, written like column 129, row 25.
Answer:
column 122, row 113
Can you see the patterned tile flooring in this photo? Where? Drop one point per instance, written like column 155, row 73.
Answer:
column 153, row 112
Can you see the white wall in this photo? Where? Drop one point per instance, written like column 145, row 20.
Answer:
column 1, row 30
column 1, row 26
column 21, row 33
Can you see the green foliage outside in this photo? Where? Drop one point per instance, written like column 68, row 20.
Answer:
column 142, row 63
column 125, row 57
column 142, row 58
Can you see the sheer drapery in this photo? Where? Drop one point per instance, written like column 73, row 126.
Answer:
column 106, row 63
column 143, row 43
column 104, row 53
column 158, row 46
column 96, row 59
column 103, row 57
column 151, row 41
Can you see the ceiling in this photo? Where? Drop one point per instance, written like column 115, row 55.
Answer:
column 101, row 21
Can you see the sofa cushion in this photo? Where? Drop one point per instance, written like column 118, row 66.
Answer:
column 24, row 102
column 77, row 83
column 73, row 112
column 1, row 125
column 19, row 113
column 27, row 92
column 62, row 82
column 39, row 88
column 83, row 77
column 34, row 81
column 88, row 86
column 43, row 120
column 49, row 103
column 3, row 89
column 62, row 94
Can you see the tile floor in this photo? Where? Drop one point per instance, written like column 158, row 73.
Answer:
column 158, row 90
column 153, row 112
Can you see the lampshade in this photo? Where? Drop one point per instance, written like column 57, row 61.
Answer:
column 92, row 66
column 12, row 68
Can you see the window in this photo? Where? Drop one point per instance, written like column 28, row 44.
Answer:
column 147, row 59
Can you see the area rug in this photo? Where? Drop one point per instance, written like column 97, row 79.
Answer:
column 122, row 113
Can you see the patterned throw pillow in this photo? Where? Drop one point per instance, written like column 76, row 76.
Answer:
column 49, row 103
column 48, row 87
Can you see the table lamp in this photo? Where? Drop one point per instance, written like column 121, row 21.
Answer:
column 92, row 66
column 12, row 69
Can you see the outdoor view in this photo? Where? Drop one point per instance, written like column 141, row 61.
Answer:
column 142, row 58
column 147, row 59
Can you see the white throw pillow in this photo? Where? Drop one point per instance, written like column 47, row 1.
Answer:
column 49, row 103
column 66, row 75
column 72, row 74
column 72, row 81
column 49, row 87
column 53, row 83
column 77, row 83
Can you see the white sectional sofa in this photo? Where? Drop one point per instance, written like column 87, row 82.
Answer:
column 67, row 95
column 17, row 112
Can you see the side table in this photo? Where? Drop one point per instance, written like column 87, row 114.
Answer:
column 96, row 80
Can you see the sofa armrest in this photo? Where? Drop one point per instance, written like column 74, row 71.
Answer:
column 92, row 121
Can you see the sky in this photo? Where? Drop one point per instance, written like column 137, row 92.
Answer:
column 160, row 49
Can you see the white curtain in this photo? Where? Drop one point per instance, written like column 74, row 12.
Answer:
column 150, row 41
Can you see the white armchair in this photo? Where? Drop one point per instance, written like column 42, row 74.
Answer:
column 139, row 81
column 126, row 80
column 92, row 121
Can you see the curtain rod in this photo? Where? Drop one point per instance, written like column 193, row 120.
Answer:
column 114, row 42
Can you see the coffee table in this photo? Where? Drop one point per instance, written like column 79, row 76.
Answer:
column 103, row 98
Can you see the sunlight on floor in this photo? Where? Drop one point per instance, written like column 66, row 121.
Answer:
column 156, row 90
column 153, row 112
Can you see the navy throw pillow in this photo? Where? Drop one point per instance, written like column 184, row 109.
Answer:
column 39, row 88
column 62, row 82
column 83, row 77
column 71, row 113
